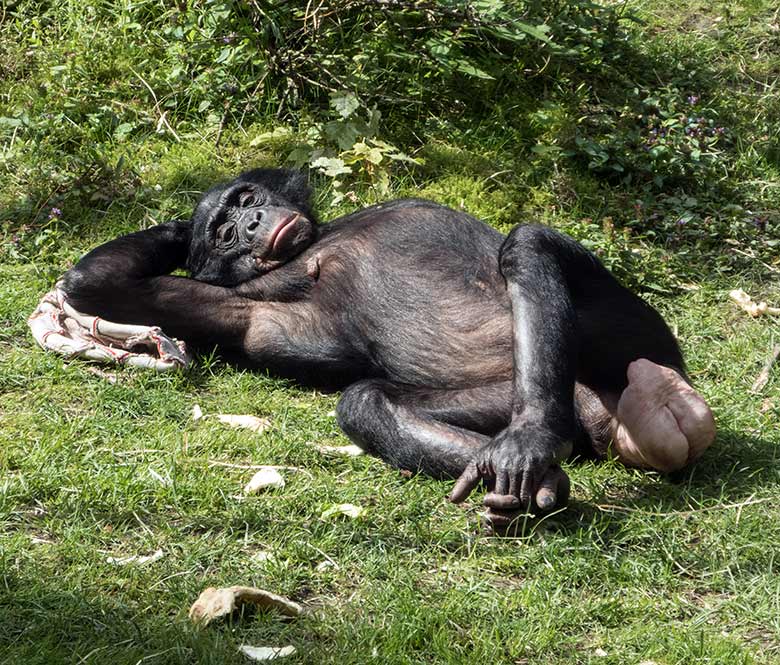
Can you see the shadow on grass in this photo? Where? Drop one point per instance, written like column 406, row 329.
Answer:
column 731, row 474
column 44, row 621
column 737, row 471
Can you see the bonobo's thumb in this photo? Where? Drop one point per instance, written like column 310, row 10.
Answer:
column 465, row 484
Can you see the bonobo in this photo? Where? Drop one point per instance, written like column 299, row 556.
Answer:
column 461, row 353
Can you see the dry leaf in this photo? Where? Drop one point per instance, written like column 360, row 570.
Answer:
column 264, row 479
column 214, row 603
column 347, row 451
column 347, row 509
column 234, row 420
column 747, row 304
column 266, row 653
column 763, row 378
column 244, row 422
column 137, row 559
column 325, row 565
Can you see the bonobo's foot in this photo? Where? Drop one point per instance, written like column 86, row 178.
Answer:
column 520, row 469
column 509, row 518
column 660, row 422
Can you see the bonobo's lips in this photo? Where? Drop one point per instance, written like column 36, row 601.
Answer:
column 282, row 230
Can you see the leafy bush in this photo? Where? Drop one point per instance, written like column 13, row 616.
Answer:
column 665, row 137
column 83, row 85
column 562, row 97
column 150, row 66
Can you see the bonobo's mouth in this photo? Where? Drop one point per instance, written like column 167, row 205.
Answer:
column 287, row 239
column 279, row 235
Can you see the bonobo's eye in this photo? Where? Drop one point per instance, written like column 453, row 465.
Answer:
column 249, row 198
column 226, row 235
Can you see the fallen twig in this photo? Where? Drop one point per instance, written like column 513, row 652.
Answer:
column 763, row 378
column 747, row 304
column 130, row 453
column 163, row 121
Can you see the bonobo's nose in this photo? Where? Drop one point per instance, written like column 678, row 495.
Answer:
column 252, row 223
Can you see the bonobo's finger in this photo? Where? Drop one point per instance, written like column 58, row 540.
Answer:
column 515, row 485
column 528, row 487
column 553, row 490
column 465, row 484
column 502, row 483
column 497, row 501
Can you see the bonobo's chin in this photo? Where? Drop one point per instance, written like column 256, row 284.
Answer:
column 238, row 270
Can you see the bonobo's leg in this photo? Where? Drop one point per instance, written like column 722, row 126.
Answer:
column 572, row 320
column 435, row 432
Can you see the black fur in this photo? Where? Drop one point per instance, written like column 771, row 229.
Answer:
column 454, row 343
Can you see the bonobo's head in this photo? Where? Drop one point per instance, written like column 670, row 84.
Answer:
column 249, row 226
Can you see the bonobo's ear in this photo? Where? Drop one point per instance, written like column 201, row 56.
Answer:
column 289, row 184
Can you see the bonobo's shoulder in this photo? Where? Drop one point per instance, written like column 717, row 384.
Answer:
column 413, row 208
column 395, row 205
column 409, row 203
column 413, row 220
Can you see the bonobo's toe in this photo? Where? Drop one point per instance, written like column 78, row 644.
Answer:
column 554, row 490
column 506, row 514
column 505, row 522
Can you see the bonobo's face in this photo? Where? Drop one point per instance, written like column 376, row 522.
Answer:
column 250, row 226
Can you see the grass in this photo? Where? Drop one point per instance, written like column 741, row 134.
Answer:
column 641, row 567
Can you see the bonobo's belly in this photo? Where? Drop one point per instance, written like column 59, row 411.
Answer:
column 410, row 292
column 437, row 332
column 429, row 307
column 462, row 346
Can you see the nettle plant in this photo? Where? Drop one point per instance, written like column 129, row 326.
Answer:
column 347, row 148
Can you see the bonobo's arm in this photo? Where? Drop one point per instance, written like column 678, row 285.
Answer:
column 126, row 280
column 289, row 283
column 520, row 464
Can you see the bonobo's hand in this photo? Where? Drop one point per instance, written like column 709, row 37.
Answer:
column 520, row 468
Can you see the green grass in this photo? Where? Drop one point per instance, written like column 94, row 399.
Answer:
column 641, row 567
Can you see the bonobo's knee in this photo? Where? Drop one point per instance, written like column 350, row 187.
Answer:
column 527, row 244
column 87, row 286
column 360, row 405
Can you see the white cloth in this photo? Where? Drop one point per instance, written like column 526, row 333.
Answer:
column 57, row 327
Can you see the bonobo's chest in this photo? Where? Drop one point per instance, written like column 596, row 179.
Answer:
column 413, row 298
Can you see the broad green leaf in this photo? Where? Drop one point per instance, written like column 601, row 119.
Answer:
column 265, row 137
column 468, row 68
column 331, row 166
column 537, row 31
column 345, row 105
